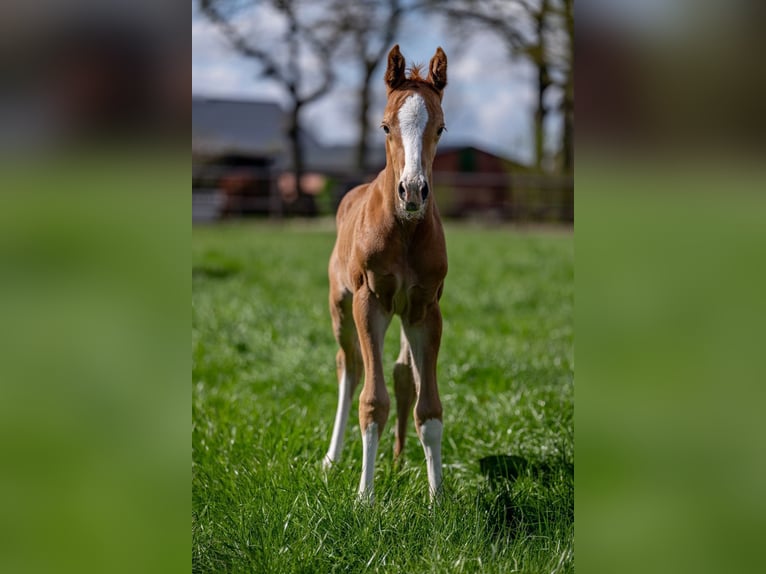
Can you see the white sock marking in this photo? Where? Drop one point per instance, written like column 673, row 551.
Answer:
column 413, row 117
column 369, row 451
column 341, row 418
column 431, row 439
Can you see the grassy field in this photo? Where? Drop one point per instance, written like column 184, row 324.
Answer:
column 264, row 396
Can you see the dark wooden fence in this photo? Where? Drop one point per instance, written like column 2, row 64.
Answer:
column 221, row 192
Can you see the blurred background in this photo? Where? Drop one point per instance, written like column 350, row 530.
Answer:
column 95, row 231
column 287, row 99
column 82, row 74
column 670, row 279
column 94, row 251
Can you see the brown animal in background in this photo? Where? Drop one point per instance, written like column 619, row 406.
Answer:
column 390, row 258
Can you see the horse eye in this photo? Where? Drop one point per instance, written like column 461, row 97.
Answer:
column 385, row 129
column 440, row 131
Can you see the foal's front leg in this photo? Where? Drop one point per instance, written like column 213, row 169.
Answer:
column 424, row 337
column 371, row 323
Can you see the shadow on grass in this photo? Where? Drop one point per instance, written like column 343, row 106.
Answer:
column 509, row 467
column 527, row 498
column 214, row 271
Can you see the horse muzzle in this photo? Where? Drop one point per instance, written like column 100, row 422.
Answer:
column 413, row 194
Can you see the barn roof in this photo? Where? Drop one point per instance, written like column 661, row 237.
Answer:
column 237, row 127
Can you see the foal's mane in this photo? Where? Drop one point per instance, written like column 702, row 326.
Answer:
column 415, row 80
column 415, row 70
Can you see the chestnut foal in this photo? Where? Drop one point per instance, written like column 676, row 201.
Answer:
column 390, row 258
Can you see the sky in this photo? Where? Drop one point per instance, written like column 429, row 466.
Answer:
column 488, row 102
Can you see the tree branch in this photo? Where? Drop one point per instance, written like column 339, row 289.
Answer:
column 513, row 37
column 238, row 42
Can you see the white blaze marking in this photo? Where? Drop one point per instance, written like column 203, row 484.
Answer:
column 341, row 417
column 369, row 451
column 431, row 438
column 413, row 117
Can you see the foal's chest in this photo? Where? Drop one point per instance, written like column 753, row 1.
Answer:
column 407, row 285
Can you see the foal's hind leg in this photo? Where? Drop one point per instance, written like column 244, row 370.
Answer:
column 404, row 386
column 349, row 366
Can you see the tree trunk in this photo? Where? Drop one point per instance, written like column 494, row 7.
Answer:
column 567, row 203
column 540, row 113
column 303, row 203
column 567, row 143
column 543, row 81
column 362, row 118
column 568, row 132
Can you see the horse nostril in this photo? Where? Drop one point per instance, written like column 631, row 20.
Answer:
column 424, row 191
column 401, row 190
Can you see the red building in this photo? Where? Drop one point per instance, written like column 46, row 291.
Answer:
column 470, row 181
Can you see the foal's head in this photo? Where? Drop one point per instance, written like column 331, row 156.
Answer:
column 413, row 122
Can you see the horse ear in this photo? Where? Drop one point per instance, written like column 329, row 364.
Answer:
column 395, row 73
column 437, row 69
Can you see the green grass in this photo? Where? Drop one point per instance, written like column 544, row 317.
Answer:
column 264, row 397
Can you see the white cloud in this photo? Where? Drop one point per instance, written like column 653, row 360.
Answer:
column 218, row 71
column 332, row 120
column 207, row 42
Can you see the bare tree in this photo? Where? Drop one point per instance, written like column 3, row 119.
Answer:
column 556, row 39
column 568, row 101
column 369, row 26
column 292, row 43
column 541, row 31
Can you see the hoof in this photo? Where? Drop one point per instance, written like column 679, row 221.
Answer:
column 366, row 498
